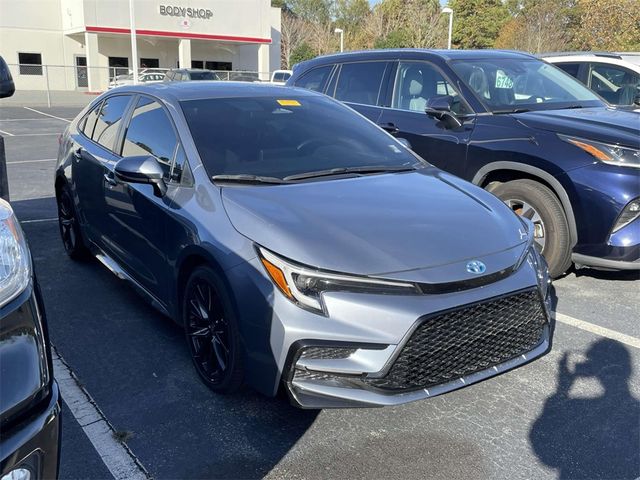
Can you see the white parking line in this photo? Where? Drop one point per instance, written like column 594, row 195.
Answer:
column 7, row 133
column 32, row 161
column 598, row 330
column 41, row 220
column 47, row 114
column 33, row 134
column 117, row 456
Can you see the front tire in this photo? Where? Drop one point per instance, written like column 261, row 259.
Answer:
column 212, row 331
column 69, row 225
column 539, row 204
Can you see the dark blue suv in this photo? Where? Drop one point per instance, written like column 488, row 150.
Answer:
column 553, row 150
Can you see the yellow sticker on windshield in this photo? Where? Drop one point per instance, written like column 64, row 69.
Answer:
column 289, row 103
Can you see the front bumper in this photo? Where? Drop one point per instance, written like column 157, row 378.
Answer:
column 441, row 352
column 29, row 396
column 34, row 443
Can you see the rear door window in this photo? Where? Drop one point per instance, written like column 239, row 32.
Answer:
column 315, row 79
column 150, row 132
column 571, row 68
column 360, row 82
column 109, row 119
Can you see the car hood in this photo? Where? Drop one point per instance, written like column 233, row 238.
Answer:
column 608, row 125
column 414, row 226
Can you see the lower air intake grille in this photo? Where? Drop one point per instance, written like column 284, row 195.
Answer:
column 463, row 341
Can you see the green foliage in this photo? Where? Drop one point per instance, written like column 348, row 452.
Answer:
column 301, row 53
column 477, row 23
column 313, row 11
column 395, row 39
column 351, row 14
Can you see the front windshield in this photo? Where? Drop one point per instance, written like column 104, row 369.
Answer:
column 516, row 84
column 289, row 135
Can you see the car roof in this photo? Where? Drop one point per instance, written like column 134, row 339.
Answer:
column 401, row 52
column 181, row 91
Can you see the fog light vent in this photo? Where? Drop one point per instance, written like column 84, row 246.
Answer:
column 326, row 353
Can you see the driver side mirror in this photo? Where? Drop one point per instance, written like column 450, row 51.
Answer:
column 142, row 169
column 440, row 108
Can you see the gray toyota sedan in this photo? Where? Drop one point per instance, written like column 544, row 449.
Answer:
column 299, row 245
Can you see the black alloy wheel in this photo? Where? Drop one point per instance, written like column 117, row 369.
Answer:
column 211, row 332
column 69, row 227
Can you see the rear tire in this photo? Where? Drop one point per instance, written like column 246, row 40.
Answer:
column 212, row 332
column 538, row 203
column 69, row 225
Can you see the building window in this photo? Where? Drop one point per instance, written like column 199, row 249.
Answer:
column 218, row 66
column 197, row 64
column 30, row 63
column 118, row 66
column 149, row 63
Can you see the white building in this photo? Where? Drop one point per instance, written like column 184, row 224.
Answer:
column 215, row 34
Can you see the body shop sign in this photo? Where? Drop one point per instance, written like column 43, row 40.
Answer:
column 186, row 12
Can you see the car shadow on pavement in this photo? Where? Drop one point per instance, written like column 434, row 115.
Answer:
column 136, row 365
column 619, row 275
column 593, row 437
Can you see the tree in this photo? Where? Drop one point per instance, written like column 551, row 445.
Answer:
column 612, row 25
column 539, row 26
column 477, row 23
column 408, row 23
column 293, row 32
column 301, row 53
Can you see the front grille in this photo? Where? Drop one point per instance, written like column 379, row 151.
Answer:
column 460, row 342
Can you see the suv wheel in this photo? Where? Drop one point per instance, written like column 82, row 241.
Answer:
column 69, row 225
column 540, row 205
column 212, row 331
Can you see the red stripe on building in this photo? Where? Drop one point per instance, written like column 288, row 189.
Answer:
column 197, row 36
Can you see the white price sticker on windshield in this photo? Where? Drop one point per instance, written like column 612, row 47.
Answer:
column 503, row 80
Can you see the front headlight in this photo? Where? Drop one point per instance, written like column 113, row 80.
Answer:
column 15, row 262
column 305, row 286
column 612, row 154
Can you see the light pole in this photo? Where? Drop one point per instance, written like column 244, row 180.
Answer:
column 134, row 44
column 341, row 32
column 450, row 12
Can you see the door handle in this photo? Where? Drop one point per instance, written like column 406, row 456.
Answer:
column 111, row 181
column 389, row 127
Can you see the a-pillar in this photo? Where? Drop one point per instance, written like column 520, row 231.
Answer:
column 96, row 78
column 263, row 62
column 184, row 53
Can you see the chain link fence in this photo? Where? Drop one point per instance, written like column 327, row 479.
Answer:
column 76, row 85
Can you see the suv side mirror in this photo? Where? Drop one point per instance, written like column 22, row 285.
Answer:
column 142, row 169
column 7, row 87
column 440, row 108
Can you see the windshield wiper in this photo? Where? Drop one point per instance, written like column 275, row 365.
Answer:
column 570, row 107
column 515, row 110
column 346, row 170
column 249, row 179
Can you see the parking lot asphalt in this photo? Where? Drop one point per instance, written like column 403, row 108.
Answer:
column 544, row 420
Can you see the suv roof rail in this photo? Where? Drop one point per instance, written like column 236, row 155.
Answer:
column 574, row 54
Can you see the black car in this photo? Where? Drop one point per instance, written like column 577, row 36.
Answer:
column 189, row 74
column 515, row 125
column 29, row 396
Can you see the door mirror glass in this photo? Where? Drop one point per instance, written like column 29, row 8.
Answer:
column 440, row 108
column 142, row 169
